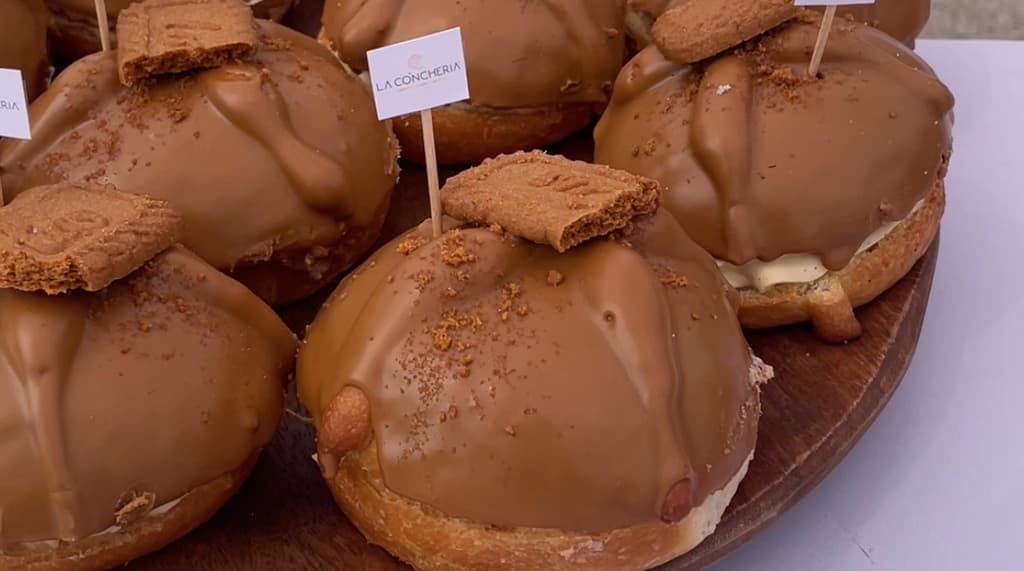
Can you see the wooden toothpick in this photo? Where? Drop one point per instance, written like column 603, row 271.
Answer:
column 819, row 46
column 103, row 23
column 430, row 153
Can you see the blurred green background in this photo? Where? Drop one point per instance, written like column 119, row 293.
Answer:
column 997, row 19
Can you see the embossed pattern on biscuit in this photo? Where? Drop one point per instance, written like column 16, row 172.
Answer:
column 549, row 200
column 64, row 237
column 696, row 30
column 158, row 37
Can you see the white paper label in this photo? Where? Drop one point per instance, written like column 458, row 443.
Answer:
column 833, row 2
column 13, row 107
column 418, row 74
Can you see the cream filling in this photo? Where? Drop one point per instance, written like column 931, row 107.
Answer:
column 793, row 268
column 54, row 543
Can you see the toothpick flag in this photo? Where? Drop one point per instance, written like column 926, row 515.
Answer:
column 418, row 75
column 826, row 27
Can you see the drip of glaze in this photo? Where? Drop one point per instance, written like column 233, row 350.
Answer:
column 647, row 69
column 679, row 384
column 254, row 105
column 652, row 368
column 370, row 23
column 568, row 55
column 718, row 137
column 41, row 369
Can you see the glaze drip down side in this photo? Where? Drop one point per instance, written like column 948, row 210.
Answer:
column 165, row 381
column 761, row 161
column 580, row 387
column 281, row 156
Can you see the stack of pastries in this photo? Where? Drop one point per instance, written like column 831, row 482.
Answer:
column 558, row 380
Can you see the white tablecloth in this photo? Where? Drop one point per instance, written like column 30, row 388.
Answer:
column 938, row 482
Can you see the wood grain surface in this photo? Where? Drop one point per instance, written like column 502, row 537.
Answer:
column 822, row 400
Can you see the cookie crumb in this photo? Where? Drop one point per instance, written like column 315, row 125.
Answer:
column 133, row 506
column 410, row 245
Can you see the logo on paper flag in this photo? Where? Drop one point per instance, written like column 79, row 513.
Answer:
column 418, row 74
column 13, row 107
column 833, row 2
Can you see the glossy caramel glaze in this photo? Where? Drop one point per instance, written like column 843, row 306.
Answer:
column 760, row 160
column 168, row 379
column 515, row 386
column 533, row 53
column 281, row 158
column 23, row 42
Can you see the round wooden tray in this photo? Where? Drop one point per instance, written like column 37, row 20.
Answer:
column 822, row 400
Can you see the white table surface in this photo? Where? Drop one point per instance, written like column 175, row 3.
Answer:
column 938, row 482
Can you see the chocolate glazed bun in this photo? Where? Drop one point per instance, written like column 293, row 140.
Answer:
column 538, row 71
column 483, row 402
column 815, row 195
column 129, row 416
column 279, row 166
column 74, row 32
column 901, row 19
column 23, row 42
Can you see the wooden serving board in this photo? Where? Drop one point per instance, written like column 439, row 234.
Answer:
column 822, row 400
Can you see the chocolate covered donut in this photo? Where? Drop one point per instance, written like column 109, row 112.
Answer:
column 538, row 71
column 814, row 194
column 23, row 42
column 75, row 33
column 277, row 163
column 485, row 401
column 129, row 414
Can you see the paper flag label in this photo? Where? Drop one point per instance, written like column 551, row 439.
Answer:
column 418, row 74
column 13, row 107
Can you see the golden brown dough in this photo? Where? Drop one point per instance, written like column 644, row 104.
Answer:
column 186, row 369
column 462, row 385
column 866, row 277
column 432, row 542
